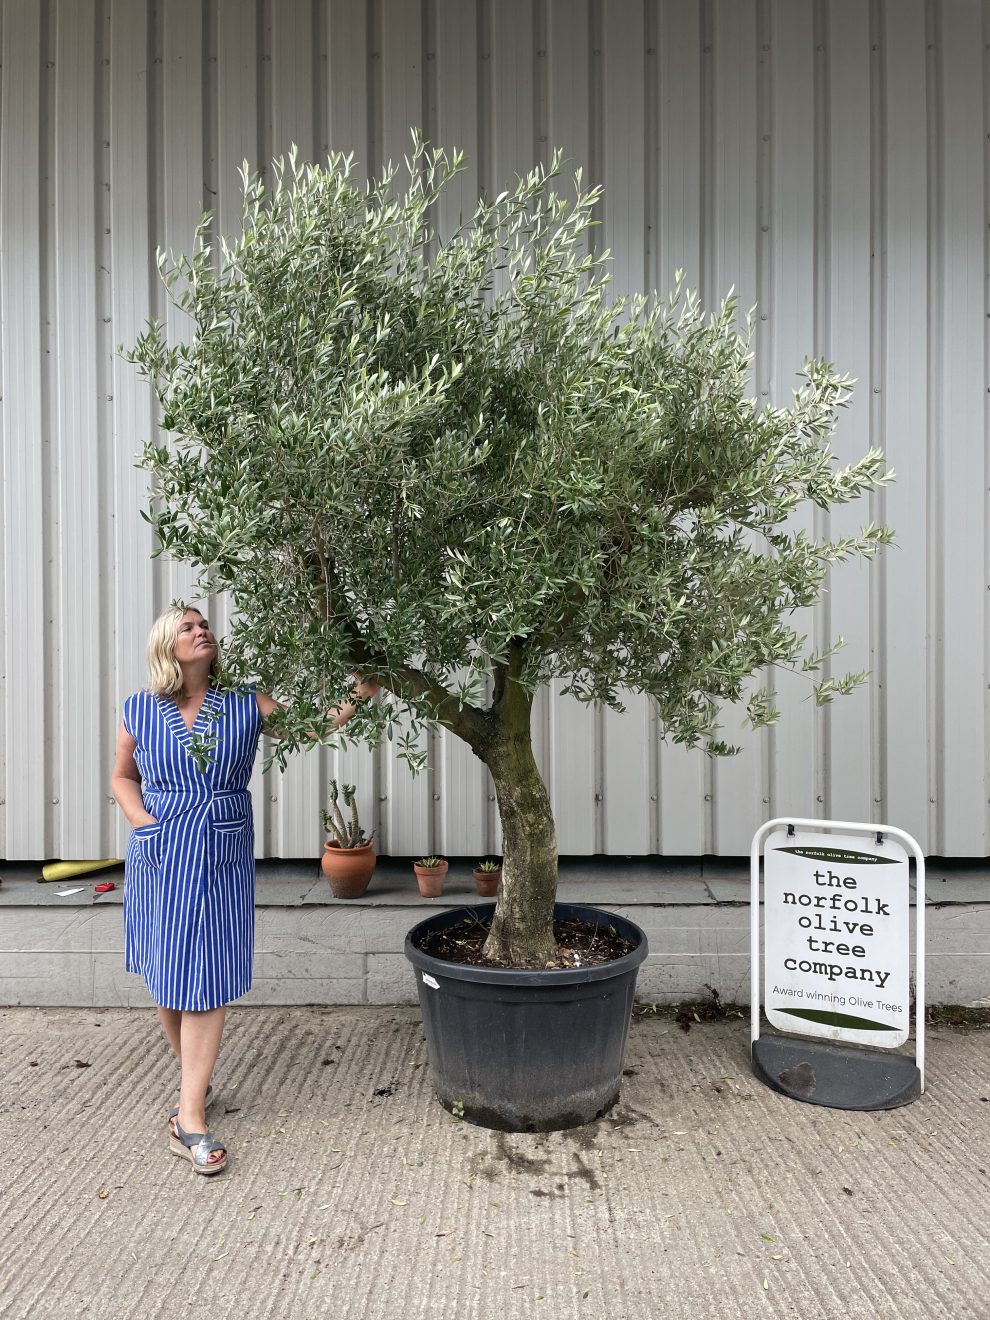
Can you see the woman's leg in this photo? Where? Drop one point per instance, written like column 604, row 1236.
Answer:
column 199, row 1045
column 171, row 1020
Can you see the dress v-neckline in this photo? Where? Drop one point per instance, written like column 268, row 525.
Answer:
column 173, row 716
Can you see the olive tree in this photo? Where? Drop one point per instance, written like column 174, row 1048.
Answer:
column 454, row 463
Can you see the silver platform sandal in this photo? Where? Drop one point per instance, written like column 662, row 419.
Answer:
column 173, row 1113
column 197, row 1147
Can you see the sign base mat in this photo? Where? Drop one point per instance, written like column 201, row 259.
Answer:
column 837, row 1076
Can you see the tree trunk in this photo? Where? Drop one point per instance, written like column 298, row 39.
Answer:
column 522, row 931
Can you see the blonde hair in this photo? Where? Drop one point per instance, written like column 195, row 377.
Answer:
column 164, row 674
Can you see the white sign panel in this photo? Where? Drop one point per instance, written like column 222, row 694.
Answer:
column 836, row 932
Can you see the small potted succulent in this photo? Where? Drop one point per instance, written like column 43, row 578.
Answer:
column 430, row 872
column 487, row 875
column 349, row 856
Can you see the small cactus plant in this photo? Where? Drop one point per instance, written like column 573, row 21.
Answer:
column 346, row 830
column 488, row 865
column 430, row 863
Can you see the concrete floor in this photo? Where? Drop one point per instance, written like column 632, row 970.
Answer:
column 352, row 1194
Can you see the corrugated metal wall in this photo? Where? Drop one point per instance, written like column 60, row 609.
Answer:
column 826, row 157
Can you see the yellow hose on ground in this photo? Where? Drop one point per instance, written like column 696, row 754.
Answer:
column 67, row 870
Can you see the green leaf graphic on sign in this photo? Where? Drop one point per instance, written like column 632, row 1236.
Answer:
column 837, row 1019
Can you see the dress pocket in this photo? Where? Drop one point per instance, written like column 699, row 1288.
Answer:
column 231, row 837
column 148, row 839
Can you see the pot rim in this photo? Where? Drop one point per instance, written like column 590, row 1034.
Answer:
column 532, row 976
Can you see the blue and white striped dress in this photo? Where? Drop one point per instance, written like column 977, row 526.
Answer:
column 189, row 879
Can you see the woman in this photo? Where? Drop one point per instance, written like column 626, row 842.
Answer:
column 189, row 870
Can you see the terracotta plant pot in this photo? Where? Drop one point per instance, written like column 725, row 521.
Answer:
column 487, row 882
column 430, row 879
column 348, row 869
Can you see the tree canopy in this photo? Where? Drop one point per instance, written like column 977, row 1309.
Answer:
column 448, row 459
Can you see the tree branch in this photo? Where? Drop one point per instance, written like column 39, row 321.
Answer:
column 467, row 721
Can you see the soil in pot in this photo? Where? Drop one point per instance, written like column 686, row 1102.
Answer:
column 349, row 870
column 579, row 943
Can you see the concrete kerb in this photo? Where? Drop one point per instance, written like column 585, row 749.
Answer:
column 312, row 949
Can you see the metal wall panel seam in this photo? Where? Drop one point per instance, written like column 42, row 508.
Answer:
column 821, row 281
column 962, row 793
column 985, row 48
column 568, row 97
column 456, row 108
column 879, row 294
column 4, row 441
column 104, row 828
column 26, row 711
column 266, row 96
column 292, row 79
column 512, row 106
column 348, row 70
column 622, row 778
column 706, row 287
column 429, row 94
column 234, row 98
column 182, row 145
column 651, row 282
column 211, row 135
column 738, row 183
column 651, row 116
column 296, row 791
column 48, row 436
column 485, row 114
column 684, row 188
column 133, row 404
column 321, row 80
column 156, row 235
column 79, row 626
column 768, row 235
column 595, row 129
column 622, row 112
column 847, row 297
column 542, row 146
column 796, row 740
column 571, row 767
column 935, row 371
column 904, row 386
column 375, row 25
column 401, row 83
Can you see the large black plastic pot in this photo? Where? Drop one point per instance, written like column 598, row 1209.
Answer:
column 526, row 1050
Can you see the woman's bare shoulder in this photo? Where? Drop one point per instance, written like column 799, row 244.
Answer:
column 266, row 705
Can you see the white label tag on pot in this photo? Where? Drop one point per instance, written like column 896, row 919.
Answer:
column 428, row 980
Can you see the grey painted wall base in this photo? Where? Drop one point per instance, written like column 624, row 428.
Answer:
column 311, row 949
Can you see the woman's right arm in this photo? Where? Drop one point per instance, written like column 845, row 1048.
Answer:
column 125, row 782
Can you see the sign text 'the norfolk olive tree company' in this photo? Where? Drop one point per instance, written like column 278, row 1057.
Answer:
column 836, row 930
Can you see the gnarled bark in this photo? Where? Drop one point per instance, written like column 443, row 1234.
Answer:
column 522, row 931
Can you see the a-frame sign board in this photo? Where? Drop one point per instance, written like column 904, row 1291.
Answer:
column 836, row 963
